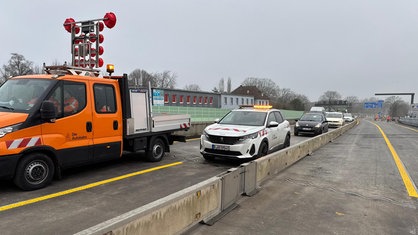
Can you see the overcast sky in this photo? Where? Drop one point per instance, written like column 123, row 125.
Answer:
column 354, row 47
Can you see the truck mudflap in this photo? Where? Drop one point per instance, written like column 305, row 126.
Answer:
column 8, row 166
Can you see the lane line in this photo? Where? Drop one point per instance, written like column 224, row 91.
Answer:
column 409, row 184
column 84, row 187
column 409, row 128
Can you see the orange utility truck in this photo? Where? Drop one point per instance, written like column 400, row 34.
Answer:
column 71, row 116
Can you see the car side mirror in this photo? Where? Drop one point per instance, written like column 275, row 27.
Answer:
column 273, row 124
column 48, row 111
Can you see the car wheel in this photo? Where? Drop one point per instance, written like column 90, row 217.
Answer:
column 156, row 151
column 34, row 171
column 262, row 151
column 287, row 141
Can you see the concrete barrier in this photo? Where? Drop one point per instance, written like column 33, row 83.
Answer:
column 409, row 121
column 169, row 215
column 209, row 200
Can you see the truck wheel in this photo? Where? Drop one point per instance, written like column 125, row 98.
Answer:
column 262, row 151
column 34, row 171
column 156, row 151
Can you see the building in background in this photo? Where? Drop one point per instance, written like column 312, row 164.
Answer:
column 252, row 91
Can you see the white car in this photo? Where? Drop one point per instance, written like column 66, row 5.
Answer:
column 335, row 119
column 348, row 117
column 246, row 133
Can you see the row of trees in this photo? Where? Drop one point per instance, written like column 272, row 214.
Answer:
column 283, row 98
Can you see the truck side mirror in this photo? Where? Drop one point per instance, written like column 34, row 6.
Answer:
column 48, row 111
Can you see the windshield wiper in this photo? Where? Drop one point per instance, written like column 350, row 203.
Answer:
column 7, row 107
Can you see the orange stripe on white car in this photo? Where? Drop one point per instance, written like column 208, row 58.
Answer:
column 23, row 143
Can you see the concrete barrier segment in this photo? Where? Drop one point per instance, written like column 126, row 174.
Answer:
column 169, row 215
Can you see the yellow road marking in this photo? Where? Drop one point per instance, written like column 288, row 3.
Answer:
column 84, row 187
column 409, row 128
column 409, row 184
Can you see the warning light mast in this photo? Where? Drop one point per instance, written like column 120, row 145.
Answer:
column 86, row 39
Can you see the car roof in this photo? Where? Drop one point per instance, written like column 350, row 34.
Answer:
column 252, row 109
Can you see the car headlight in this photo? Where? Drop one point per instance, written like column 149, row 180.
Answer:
column 318, row 125
column 249, row 137
column 205, row 134
column 9, row 129
column 297, row 124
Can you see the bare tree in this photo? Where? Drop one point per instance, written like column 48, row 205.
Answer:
column 395, row 106
column 222, row 85
column 192, row 87
column 228, row 85
column 140, row 77
column 16, row 66
column 165, row 79
column 265, row 85
column 330, row 96
column 215, row 90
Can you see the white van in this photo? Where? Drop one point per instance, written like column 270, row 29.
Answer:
column 317, row 109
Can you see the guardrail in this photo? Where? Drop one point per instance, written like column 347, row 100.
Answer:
column 209, row 200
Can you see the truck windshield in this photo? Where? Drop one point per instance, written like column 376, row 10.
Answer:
column 21, row 95
column 245, row 118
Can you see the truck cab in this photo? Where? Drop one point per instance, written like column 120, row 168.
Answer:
column 82, row 125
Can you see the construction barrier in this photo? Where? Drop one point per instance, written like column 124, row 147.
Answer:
column 208, row 201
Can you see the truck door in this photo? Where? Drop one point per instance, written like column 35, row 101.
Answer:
column 70, row 135
column 107, row 122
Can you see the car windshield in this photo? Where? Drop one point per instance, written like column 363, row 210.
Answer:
column 311, row 117
column 22, row 94
column 245, row 118
column 348, row 115
column 334, row 115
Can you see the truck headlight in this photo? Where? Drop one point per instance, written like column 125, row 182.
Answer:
column 249, row 137
column 9, row 129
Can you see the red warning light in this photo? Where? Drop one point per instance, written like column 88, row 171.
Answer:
column 109, row 20
column 68, row 23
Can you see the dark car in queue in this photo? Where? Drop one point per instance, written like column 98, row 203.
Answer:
column 314, row 123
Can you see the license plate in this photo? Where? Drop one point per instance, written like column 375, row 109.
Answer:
column 306, row 129
column 220, row 147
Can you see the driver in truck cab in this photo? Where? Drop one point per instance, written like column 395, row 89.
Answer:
column 70, row 103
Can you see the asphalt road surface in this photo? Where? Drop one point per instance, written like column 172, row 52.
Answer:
column 349, row 186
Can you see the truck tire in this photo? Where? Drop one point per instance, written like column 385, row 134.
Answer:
column 34, row 171
column 156, row 151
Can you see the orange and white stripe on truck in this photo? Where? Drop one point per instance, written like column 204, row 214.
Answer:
column 23, row 143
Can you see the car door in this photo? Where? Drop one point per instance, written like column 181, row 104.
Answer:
column 273, row 132
column 282, row 128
